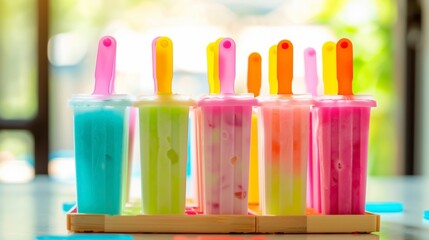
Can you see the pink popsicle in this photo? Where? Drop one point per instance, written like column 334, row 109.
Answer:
column 226, row 122
column 342, row 135
column 313, row 183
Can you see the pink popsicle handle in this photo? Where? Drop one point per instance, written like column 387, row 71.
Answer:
column 227, row 65
column 105, row 66
column 154, row 63
column 310, row 67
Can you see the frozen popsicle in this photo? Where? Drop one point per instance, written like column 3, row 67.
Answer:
column 101, row 139
column 283, row 143
column 254, row 75
column 311, row 80
column 163, row 119
column 342, row 138
column 226, row 125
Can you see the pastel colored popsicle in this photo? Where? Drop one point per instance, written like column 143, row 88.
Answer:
column 313, row 183
column 283, row 142
column 342, row 133
column 226, row 122
column 254, row 76
column 164, row 139
column 101, row 139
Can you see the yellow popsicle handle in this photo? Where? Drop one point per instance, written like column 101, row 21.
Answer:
column 216, row 79
column 164, row 65
column 272, row 69
column 329, row 65
column 254, row 73
column 210, row 67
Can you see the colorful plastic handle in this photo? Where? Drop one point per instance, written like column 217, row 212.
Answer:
column 345, row 67
column 284, row 67
column 272, row 69
column 329, row 66
column 154, row 62
column 254, row 73
column 164, row 65
column 310, row 67
column 216, row 79
column 213, row 64
column 105, row 67
column 227, row 65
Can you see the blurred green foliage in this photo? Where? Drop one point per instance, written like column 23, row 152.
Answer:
column 370, row 25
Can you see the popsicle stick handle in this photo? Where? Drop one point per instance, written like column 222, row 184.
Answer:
column 284, row 66
column 329, row 68
column 164, row 65
column 310, row 67
column 345, row 67
column 105, row 66
column 227, row 65
column 216, row 79
column 154, row 62
column 254, row 73
column 210, row 67
column 272, row 69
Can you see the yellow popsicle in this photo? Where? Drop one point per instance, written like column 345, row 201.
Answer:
column 272, row 69
column 216, row 81
column 254, row 76
column 210, row 67
column 329, row 65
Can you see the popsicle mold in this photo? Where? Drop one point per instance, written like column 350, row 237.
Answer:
column 283, row 153
column 342, row 140
column 101, row 139
column 226, row 128
column 163, row 121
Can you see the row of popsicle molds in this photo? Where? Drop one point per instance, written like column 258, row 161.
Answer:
column 223, row 125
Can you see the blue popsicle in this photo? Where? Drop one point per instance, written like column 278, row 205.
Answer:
column 101, row 139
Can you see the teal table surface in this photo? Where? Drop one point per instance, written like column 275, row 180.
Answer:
column 35, row 209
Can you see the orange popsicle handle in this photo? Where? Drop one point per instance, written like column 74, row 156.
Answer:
column 284, row 66
column 254, row 74
column 345, row 67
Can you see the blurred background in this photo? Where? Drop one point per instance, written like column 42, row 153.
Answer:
column 48, row 50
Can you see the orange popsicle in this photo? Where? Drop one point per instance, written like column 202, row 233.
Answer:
column 345, row 66
column 284, row 66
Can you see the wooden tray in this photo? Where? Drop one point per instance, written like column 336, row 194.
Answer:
column 223, row 223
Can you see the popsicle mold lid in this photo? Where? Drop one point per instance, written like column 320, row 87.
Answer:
column 100, row 100
column 227, row 100
column 172, row 100
column 345, row 101
column 286, row 99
